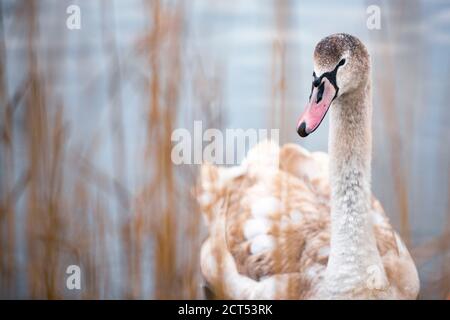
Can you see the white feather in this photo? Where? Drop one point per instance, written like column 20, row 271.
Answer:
column 262, row 243
column 265, row 207
column 255, row 227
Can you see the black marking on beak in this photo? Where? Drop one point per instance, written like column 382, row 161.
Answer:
column 302, row 130
column 317, row 82
column 320, row 92
column 331, row 76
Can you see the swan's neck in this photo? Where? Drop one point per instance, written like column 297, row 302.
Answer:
column 353, row 248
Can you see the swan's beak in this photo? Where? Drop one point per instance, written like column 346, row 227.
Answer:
column 320, row 101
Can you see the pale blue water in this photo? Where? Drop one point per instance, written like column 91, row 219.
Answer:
column 235, row 42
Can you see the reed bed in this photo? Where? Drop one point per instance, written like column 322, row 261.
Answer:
column 136, row 233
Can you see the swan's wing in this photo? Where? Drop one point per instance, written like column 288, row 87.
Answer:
column 276, row 226
column 311, row 167
column 399, row 266
column 220, row 270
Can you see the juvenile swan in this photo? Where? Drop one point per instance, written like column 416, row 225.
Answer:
column 290, row 224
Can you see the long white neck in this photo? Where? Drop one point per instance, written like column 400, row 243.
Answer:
column 353, row 249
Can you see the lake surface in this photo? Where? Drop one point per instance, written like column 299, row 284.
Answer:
column 249, row 47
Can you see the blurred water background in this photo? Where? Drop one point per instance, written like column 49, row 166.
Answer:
column 87, row 115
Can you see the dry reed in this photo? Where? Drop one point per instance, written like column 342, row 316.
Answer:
column 57, row 207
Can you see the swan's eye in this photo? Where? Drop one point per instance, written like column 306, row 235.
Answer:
column 341, row 63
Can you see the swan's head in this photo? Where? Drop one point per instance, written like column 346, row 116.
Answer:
column 341, row 65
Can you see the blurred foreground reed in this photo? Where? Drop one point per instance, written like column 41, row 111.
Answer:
column 58, row 208
column 133, row 238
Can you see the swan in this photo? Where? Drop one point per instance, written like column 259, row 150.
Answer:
column 292, row 224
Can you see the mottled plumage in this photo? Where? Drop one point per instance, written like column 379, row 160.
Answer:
column 299, row 226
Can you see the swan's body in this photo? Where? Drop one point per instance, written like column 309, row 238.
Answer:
column 291, row 224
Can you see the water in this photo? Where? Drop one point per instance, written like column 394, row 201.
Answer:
column 241, row 43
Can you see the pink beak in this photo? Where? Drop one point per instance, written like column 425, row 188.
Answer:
column 317, row 107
